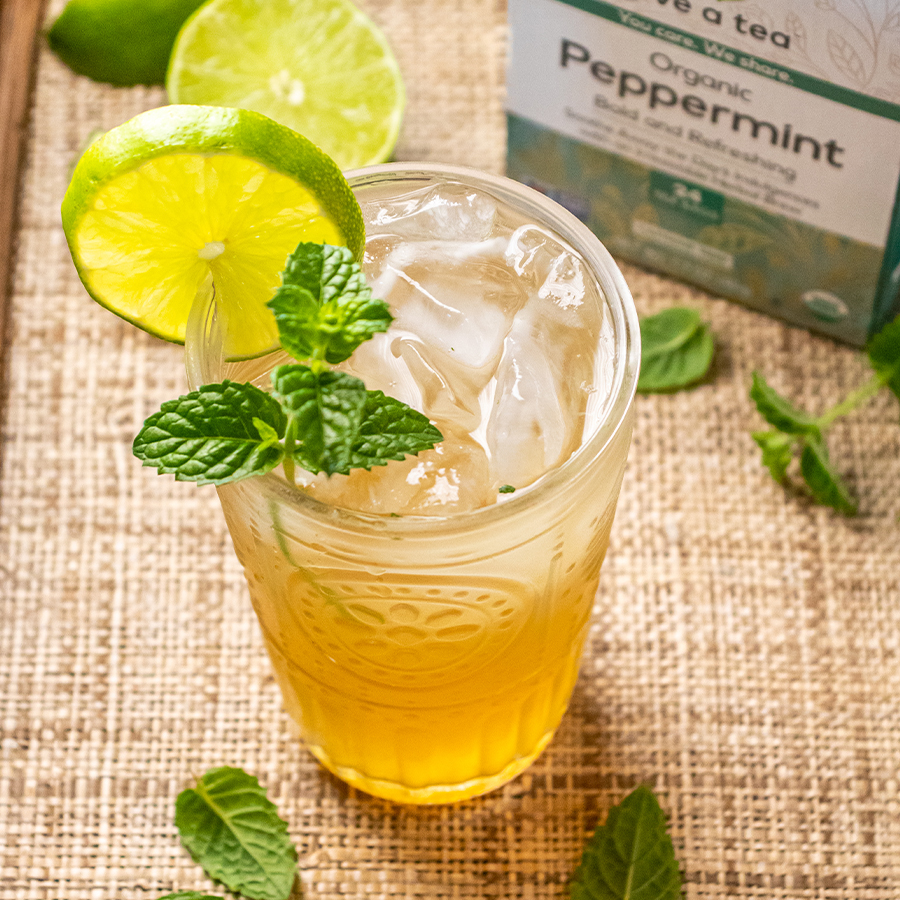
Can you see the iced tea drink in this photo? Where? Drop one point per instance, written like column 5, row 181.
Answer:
column 425, row 620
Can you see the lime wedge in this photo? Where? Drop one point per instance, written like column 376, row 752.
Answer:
column 180, row 193
column 320, row 67
column 122, row 42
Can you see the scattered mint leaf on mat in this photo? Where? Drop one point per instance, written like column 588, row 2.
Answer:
column 190, row 895
column 319, row 419
column 884, row 355
column 630, row 857
column 234, row 831
column 677, row 350
column 821, row 478
column 779, row 411
column 797, row 433
column 777, row 451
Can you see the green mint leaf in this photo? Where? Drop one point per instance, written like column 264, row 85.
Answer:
column 233, row 830
column 677, row 350
column 779, row 411
column 390, row 430
column 268, row 435
column 327, row 409
column 823, row 481
column 777, row 451
column 190, row 895
column 324, row 308
column 630, row 857
column 297, row 316
column 884, row 355
column 212, row 435
column 506, row 489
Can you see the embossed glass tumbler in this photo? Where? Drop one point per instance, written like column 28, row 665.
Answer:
column 430, row 658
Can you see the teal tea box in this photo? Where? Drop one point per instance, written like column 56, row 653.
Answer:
column 751, row 147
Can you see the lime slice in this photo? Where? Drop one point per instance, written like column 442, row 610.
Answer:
column 119, row 41
column 320, row 67
column 177, row 194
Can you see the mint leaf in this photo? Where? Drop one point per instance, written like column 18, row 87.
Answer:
column 779, row 411
column 212, row 435
column 297, row 316
column 341, row 426
column 677, row 350
column 327, row 409
column 190, row 895
column 630, row 857
column 777, row 451
column 234, row 832
column 324, row 308
column 390, row 430
column 822, row 479
column 884, row 355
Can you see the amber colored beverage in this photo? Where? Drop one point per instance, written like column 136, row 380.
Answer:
column 425, row 626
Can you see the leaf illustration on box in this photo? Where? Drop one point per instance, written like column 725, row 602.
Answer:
column 733, row 238
column 760, row 15
column 827, row 5
column 544, row 157
column 847, row 61
column 794, row 26
column 594, row 163
column 646, row 212
column 609, row 217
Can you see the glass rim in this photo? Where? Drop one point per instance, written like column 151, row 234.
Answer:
column 616, row 294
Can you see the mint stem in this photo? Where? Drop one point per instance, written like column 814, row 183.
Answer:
column 290, row 439
column 851, row 401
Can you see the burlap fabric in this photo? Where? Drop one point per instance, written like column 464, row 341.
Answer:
column 744, row 657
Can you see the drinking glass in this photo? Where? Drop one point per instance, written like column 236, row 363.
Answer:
column 428, row 659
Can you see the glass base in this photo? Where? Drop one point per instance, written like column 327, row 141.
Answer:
column 432, row 794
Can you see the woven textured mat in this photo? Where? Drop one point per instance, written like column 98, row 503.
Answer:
column 744, row 657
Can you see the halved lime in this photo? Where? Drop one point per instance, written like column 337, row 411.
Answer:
column 320, row 67
column 122, row 42
column 158, row 204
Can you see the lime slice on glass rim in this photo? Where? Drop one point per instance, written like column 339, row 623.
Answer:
column 321, row 67
column 178, row 194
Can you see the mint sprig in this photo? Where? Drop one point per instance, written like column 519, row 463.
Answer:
column 797, row 433
column 677, row 350
column 234, row 831
column 324, row 308
column 631, row 856
column 317, row 418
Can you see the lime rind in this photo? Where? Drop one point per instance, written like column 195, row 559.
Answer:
column 321, row 67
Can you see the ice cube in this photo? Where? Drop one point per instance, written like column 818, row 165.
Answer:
column 453, row 304
column 548, row 265
column 449, row 212
column 547, row 373
column 444, row 398
column 380, row 368
column 452, row 477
